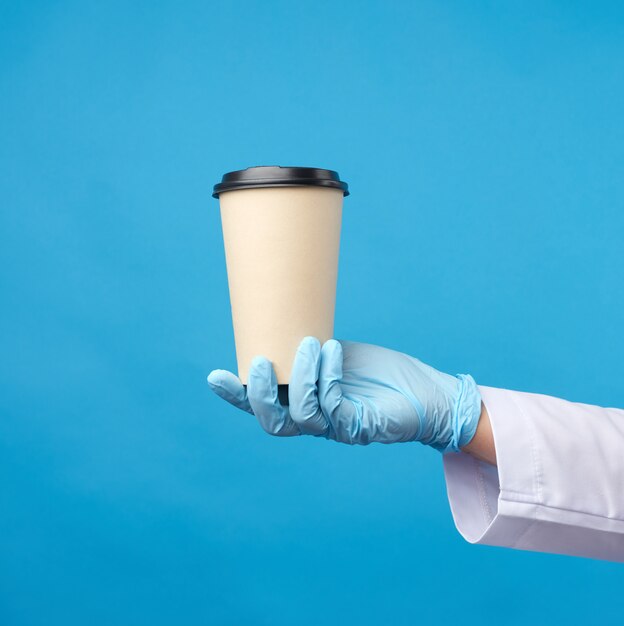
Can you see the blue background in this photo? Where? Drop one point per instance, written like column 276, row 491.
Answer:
column 483, row 143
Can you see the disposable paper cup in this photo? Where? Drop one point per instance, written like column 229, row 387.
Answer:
column 281, row 232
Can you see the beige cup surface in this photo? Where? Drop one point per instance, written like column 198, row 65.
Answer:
column 281, row 246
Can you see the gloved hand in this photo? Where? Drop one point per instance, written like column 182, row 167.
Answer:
column 358, row 393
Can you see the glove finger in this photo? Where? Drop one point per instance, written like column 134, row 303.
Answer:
column 302, row 391
column 340, row 412
column 262, row 395
column 229, row 387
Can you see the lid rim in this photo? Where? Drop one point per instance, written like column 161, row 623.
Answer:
column 219, row 189
column 279, row 176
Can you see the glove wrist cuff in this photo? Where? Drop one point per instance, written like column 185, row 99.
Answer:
column 466, row 414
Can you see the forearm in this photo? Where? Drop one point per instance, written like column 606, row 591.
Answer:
column 481, row 445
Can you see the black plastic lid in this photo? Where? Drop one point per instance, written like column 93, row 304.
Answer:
column 278, row 176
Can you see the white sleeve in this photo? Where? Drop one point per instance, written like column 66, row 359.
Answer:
column 559, row 484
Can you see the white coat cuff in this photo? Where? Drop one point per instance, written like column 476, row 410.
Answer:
column 493, row 505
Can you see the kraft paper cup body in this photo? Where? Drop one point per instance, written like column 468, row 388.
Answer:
column 281, row 248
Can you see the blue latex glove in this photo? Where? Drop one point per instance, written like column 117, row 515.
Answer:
column 358, row 393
